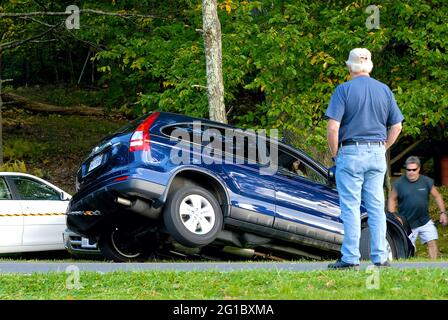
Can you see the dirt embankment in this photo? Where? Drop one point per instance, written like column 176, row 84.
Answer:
column 53, row 144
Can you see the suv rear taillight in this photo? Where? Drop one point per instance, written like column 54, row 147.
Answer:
column 140, row 137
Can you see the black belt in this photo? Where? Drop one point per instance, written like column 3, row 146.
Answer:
column 370, row 143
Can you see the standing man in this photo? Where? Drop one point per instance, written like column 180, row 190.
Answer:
column 360, row 112
column 412, row 192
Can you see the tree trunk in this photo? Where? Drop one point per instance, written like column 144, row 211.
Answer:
column 213, row 58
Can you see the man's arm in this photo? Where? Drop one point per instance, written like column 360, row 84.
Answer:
column 392, row 203
column 439, row 200
column 333, row 136
column 392, row 134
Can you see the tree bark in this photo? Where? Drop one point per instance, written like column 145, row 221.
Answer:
column 213, row 58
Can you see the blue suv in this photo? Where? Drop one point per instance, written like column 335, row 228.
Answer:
column 172, row 184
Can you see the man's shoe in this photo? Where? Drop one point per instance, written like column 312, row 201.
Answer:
column 341, row 265
column 385, row 264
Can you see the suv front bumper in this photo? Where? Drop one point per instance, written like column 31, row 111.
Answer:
column 76, row 244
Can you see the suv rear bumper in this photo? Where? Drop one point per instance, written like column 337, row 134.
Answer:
column 87, row 214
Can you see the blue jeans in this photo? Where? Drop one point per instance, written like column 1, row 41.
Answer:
column 360, row 173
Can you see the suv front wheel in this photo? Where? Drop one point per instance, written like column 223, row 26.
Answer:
column 364, row 245
column 193, row 216
column 121, row 246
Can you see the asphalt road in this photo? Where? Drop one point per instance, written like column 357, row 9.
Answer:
column 43, row 267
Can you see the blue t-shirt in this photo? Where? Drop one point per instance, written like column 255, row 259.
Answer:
column 365, row 107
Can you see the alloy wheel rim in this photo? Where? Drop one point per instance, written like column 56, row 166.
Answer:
column 197, row 214
column 126, row 255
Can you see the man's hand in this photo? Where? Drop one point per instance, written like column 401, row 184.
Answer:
column 439, row 200
column 443, row 219
column 396, row 216
column 392, row 134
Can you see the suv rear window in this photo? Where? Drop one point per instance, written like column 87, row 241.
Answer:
column 241, row 144
column 183, row 127
column 131, row 126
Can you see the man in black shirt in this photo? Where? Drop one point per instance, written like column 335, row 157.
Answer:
column 412, row 192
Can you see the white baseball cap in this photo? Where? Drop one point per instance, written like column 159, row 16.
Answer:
column 360, row 60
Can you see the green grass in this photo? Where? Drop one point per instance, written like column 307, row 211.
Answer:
column 261, row 284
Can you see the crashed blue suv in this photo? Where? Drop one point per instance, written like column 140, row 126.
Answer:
column 169, row 184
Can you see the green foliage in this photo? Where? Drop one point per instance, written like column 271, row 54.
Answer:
column 24, row 149
column 299, row 50
column 13, row 166
column 281, row 59
column 19, row 166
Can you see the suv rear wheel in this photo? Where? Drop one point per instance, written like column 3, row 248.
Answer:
column 193, row 216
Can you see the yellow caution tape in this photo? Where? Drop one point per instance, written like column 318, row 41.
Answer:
column 30, row 214
column 76, row 213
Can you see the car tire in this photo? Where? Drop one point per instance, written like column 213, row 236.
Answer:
column 120, row 246
column 364, row 244
column 193, row 216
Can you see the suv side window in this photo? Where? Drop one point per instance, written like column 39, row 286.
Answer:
column 196, row 134
column 243, row 147
column 237, row 145
column 179, row 131
column 294, row 166
column 4, row 191
column 314, row 176
column 33, row 190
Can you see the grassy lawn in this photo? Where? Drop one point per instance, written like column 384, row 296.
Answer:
column 262, row 284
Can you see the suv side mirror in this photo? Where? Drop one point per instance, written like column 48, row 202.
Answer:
column 332, row 175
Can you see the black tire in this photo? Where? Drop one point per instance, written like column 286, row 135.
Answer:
column 120, row 246
column 364, row 244
column 179, row 225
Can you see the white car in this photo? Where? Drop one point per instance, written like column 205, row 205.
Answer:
column 32, row 214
